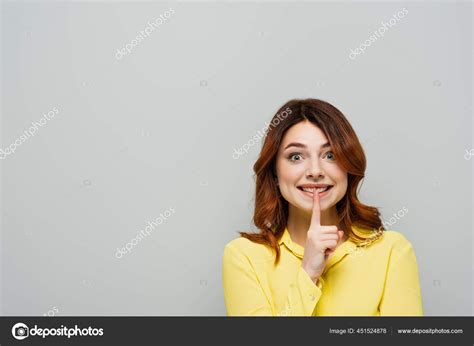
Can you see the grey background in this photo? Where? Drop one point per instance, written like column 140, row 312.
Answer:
column 157, row 129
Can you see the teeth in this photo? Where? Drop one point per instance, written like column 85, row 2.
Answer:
column 311, row 189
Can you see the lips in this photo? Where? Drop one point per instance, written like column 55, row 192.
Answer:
column 322, row 189
column 311, row 189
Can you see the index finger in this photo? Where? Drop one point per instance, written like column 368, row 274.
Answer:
column 316, row 215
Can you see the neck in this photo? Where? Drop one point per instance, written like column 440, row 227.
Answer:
column 300, row 220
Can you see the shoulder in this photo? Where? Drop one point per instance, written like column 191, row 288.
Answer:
column 389, row 238
column 396, row 239
column 396, row 243
column 245, row 249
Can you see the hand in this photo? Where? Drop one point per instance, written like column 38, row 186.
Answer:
column 321, row 242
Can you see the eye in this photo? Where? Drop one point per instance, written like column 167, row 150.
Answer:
column 330, row 155
column 290, row 157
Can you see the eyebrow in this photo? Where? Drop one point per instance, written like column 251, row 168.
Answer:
column 301, row 145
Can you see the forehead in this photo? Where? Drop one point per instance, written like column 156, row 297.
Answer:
column 306, row 133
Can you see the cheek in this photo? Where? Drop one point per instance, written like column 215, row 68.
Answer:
column 288, row 173
column 342, row 182
column 338, row 176
column 342, row 189
column 341, row 179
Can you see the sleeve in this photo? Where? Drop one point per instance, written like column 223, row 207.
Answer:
column 402, row 294
column 244, row 295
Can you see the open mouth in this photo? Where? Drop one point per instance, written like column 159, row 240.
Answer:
column 320, row 190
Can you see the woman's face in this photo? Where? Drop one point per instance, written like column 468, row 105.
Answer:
column 305, row 157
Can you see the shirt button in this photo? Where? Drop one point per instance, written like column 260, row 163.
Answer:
column 312, row 297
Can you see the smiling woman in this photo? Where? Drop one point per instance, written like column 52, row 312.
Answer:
column 310, row 223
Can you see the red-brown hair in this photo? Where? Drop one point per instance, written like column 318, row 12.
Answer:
column 271, row 209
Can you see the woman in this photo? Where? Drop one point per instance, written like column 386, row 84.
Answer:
column 320, row 253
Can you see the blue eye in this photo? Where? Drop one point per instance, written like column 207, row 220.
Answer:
column 330, row 155
column 294, row 154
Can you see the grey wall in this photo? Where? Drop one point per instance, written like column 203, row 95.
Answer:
column 153, row 132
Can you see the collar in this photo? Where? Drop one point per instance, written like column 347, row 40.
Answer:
column 341, row 251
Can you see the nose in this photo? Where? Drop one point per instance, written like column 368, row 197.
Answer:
column 314, row 169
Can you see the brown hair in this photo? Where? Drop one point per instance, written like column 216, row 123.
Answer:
column 271, row 209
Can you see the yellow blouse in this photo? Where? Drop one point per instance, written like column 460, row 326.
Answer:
column 379, row 280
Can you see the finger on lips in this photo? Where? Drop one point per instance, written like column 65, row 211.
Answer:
column 316, row 216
